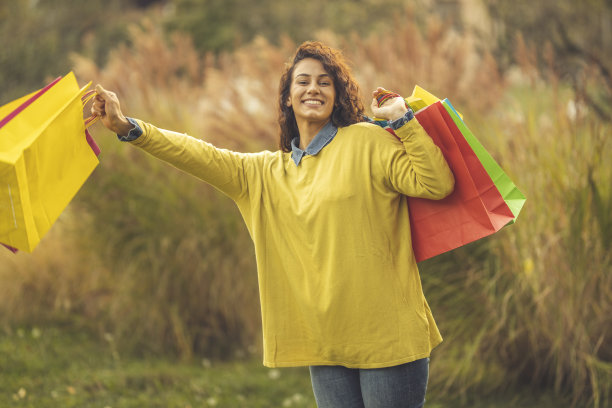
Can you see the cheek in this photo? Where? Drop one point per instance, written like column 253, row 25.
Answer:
column 290, row 97
column 334, row 97
column 288, row 101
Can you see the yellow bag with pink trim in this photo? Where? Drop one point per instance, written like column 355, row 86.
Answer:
column 46, row 155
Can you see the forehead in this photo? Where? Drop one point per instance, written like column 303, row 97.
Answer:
column 309, row 67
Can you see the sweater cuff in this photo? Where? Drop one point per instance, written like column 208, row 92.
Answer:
column 134, row 133
column 398, row 123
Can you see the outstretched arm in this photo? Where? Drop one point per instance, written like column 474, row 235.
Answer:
column 223, row 169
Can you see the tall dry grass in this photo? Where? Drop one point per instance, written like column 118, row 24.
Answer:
column 167, row 82
column 533, row 304
column 163, row 263
column 558, row 264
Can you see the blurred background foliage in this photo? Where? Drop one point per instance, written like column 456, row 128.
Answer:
column 163, row 264
column 38, row 36
column 577, row 33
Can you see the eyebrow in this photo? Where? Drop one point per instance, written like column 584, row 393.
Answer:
column 308, row 75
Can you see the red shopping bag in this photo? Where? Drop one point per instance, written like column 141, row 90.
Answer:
column 474, row 210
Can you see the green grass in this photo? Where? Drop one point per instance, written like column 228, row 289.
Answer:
column 50, row 368
column 54, row 367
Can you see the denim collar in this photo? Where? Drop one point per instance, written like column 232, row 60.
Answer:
column 321, row 140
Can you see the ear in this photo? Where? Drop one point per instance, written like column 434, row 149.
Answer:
column 288, row 103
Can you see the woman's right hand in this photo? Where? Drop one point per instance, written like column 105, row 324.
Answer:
column 106, row 106
column 392, row 109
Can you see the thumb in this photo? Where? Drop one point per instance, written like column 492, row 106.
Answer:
column 101, row 91
column 378, row 91
column 374, row 104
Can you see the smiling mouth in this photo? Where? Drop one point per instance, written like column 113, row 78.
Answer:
column 312, row 102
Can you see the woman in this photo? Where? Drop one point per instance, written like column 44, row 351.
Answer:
column 339, row 287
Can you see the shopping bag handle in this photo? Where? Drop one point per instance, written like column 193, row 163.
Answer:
column 88, row 96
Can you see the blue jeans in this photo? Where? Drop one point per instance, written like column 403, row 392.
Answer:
column 401, row 386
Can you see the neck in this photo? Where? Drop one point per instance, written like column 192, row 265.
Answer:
column 308, row 131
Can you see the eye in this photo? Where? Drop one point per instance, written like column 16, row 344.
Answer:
column 325, row 83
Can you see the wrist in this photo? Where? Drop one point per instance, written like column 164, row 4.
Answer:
column 402, row 120
column 123, row 127
column 397, row 113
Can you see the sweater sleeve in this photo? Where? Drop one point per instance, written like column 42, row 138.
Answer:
column 223, row 169
column 419, row 170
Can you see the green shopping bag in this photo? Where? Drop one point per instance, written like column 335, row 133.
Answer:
column 513, row 197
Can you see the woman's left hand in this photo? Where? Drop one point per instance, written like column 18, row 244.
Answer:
column 106, row 106
column 391, row 109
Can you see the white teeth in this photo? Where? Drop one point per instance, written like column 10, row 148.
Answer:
column 313, row 102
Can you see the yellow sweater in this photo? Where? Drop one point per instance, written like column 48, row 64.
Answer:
column 338, row 282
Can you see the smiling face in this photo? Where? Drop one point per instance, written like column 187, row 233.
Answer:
column 312, row 93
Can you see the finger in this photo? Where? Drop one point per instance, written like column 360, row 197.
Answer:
column 103, row 93
column 98, row 103
column 98, row 109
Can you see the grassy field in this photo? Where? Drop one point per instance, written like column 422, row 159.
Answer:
column 55, row 367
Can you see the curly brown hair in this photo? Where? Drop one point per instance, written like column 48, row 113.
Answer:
column 348, row 108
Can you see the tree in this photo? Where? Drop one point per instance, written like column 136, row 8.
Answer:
column 579, row 34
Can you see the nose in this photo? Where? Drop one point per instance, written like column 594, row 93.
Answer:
column 313, row 88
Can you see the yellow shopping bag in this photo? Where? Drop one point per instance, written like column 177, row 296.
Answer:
column 420, row 99
column 45, row 158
